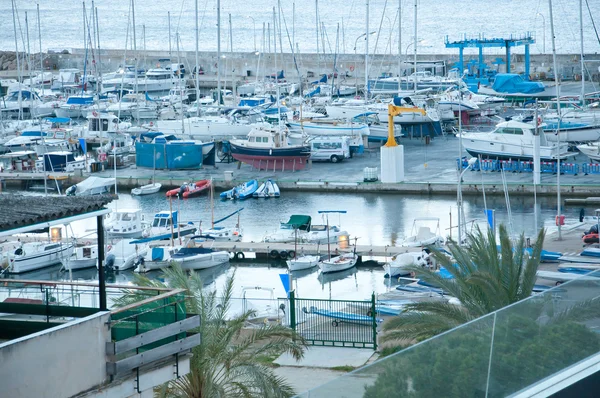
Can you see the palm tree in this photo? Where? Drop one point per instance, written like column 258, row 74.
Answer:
column 226, row 363
column 485, row 278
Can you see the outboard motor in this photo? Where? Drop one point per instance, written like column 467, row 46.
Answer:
column 109, row 264
column 182, row 191
column 71, row 190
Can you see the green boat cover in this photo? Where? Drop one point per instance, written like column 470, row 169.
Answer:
column 299, row 221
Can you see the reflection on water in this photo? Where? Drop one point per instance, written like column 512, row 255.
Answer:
column 378, row 219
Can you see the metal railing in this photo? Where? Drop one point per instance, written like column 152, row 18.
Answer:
column 506, row 352
column 337, row 323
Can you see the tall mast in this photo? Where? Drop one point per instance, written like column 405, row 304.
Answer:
column 40, row 40
column 558, row 203
column 317, row 23
column 582, row 61
column 219, row 52
column 99, row 69
column 135, row 56
column 399, row 45
column 18, row 62
column 367, row 55
column 196, row 69
column 415, row 45
column 169, row 21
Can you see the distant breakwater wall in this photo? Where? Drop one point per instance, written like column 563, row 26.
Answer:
column 244, row 66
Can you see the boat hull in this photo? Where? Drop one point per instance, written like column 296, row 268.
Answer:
column 304, row 262
column 37, row 260
column 340, row 263
column 202, row 261
column 283, row 159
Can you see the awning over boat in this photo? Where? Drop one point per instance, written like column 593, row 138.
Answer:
column 299, row 221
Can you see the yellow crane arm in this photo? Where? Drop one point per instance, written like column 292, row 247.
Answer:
column 394, row 110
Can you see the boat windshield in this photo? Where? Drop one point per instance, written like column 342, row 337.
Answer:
column 286, row 226
column 509, row 130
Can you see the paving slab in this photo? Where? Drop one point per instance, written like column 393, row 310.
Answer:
column 328, row 357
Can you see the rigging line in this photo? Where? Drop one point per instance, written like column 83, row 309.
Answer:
column 380, row 25
column 592, row 18
column 287, row 32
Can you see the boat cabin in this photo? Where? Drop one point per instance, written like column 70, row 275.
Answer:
column 512, row 129
column 164, row 219
column 265, row 137
column 99, row 123
column 18, row 161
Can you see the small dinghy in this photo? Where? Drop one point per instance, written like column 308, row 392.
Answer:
column 190, row 190
column 243, row 191
column 268, row 189
column 147, row 189
column 423, row 236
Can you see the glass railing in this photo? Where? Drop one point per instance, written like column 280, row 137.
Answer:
column 493, row 356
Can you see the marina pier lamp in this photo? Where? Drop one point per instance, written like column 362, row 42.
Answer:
column 363, row 35
column 470, row 165
column 544, row 30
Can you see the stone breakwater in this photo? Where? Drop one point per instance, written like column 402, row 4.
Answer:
column 8, row 61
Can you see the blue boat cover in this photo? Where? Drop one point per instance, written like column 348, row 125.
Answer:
column 511, row 83
column 172, row 157
column 158, row 254
column 59, row 120
column 191, row 251
column 80, row 100
column 313, row 93
column 252, row 102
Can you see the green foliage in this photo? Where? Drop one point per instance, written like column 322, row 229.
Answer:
column 456, row 365
column 485, row 279
column 227, row 363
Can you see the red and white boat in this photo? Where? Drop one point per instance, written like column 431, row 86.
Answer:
column 189, row 190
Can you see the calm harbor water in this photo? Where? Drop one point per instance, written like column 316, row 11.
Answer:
column 61, row 24
column 375, row 218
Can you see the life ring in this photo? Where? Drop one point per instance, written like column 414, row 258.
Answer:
column 283, row 254
column 108, row 248
column 351, row 68
column 539, row 120
column 236, row 233
column 239, row 256
column 274, row 254
column 291, row 254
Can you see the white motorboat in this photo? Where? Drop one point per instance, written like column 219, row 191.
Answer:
column 303, row 262
column 125, row 223
column 166, row 224
column 204, row 127
column 125, row 254
column 199, row 257
column 338, row 263
column 421, row 235
column 156, row 258
column 512, row 140
column 296, row 227
column 591, row 150
column 323, row 233
column 397, row 266
column 134, row 106
column 231, row 234
column 83, row 257
column 561, row 277
column 91, row 186
column 330, row 127
column 123, row 77
column 35, row 255
column 452, row 100
column 27, row 102
column 147, row 189
column 157, row 79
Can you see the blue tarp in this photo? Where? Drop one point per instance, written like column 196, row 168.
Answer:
column 59, row 120
column 158, row 253
column 80, row 100
column 313, row 93
column 323, row 79
column 511, row 83
column 172, row 157
column 252, row 101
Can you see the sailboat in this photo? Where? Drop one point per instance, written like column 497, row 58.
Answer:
column 304, row 261
column 339, row 263
column 222, row 233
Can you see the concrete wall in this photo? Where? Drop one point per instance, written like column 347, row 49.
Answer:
column 58, row 362
column 238, row 65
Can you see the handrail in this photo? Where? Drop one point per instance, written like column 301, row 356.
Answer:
column 172, row 292
column 86, row 284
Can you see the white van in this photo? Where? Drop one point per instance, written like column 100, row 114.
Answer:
column 334, row 149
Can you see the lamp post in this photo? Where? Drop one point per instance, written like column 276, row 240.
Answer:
column 459, row 197
column 355, row 43
column 253, row 30
column 544, row 30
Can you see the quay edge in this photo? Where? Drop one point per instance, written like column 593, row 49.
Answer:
column 410, row 187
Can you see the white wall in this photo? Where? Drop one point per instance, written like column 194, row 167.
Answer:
column 58, row 362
